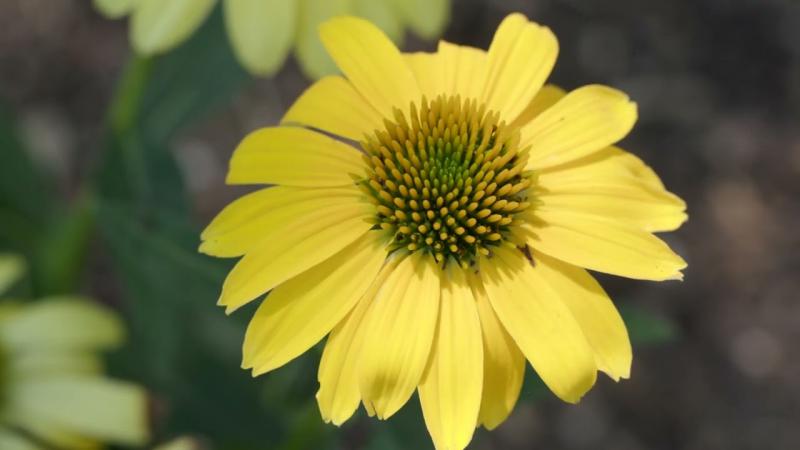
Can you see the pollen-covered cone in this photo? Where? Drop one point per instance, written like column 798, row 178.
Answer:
column 451, row 245
column 263, row 32
column 51, row 375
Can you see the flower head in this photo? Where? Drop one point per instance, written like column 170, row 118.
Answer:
column 52, row 387
column 452, row 243
column 262, row 32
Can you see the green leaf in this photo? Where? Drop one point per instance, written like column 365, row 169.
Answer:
column 25, row 202
column 190, row 82
column 62, row 248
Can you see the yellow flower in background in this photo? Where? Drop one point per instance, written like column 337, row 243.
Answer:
column 453, row 244
column 262, row 32
column 53, row 391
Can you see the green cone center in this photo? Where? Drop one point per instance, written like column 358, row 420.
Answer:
column 447, row 178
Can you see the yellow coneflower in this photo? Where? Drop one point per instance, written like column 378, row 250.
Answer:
column 53, row 394
column 262, row 32
column 451, row 244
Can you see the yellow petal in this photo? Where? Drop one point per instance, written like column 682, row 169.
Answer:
column 503, row 364
column 400, row 326
column 339, row 394
column 626, row 200
column 608, row 164
column 540, row 323
column 254, row 218
column 114, row 9
column 586, row 120
column 261, row 32
column 464, row 69
column 603, row 245
column 295, row 246
column 301, row 311
column 594, row 311
column 94, row 407
column 62, row 323
column 450, row 392
column 293, row 156
column 547, row 96
column 332, row 104
column 429, row 72
column 453, row 69
column 615, row 184
column 371, row 62
column 520, row 59
column 158, row 26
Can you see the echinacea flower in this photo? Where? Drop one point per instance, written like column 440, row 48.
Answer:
column 262, row 32
column 53, row 394
column 452, row 244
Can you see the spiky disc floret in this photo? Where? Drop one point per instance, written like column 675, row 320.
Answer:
column 448, row 180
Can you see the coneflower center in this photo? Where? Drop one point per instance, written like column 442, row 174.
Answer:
column 447, row 179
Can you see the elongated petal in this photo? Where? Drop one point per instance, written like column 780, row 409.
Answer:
column 114, row 9
column 158, row 26
column 453, row 69
column 450, row 392
column 547, row 96
column 610, row 163
column 540, row 323
column 311, row 54
column 603, row 245
column 630, row 203
column 382, row 14
column 292, row 156
column 332, row 104
column 62, row 323
column 426, row 18
column 464, row 69
column 429, row 72
column 262, row 215
column 11, row 440
column 301, row 311
column 54, row 436
column 400, row 327
column 371, row 62
column 296, row 246
column 586, row 120
column 31, row 364
column 615, row 184
column 520, row 59
column 594, row 311
column 91, row 406
column 503, row 364
column 339, row 395
column 261, row 32
column 11, row 269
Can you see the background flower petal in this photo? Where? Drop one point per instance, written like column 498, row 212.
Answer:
column 158, row 26
column 261, row 32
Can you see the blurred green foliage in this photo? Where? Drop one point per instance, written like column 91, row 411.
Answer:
column 181, row 346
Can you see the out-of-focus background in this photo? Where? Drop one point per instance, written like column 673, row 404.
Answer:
column 110, row 165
